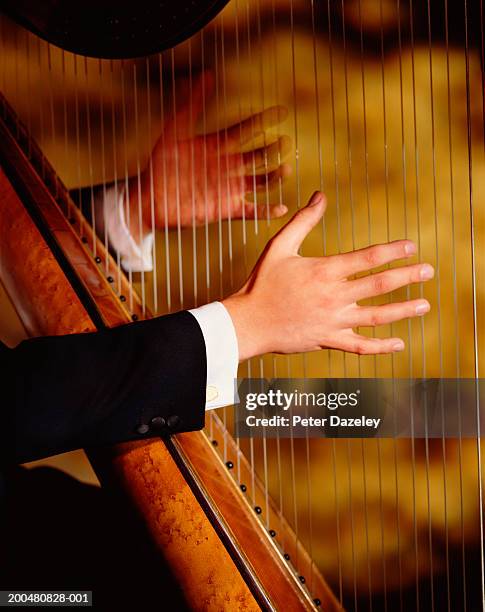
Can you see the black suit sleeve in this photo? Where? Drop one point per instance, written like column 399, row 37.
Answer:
column 131, row 382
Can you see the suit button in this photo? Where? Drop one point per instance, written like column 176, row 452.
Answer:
column 173, row 421
column 158, row 422
column 142, row 429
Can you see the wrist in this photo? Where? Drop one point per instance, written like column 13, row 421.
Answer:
column 249, row 333
column 139, row 224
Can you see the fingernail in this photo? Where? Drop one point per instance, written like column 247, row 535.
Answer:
column 316, row 198
column 423, row 308
column 410, row 248
column 283, row 209
column 398, row 346
column 426, row 272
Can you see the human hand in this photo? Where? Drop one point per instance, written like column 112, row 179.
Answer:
column 200, row 179
column 294, row 304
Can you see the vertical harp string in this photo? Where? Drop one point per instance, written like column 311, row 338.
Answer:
column 391, row 356
column 116, row 186
column 192, row 129
column 298, row 205
column 369, row 237
column 87, row 101
column 152, row 189
column 103, row 159
column 264, row 233
column 126, row 203
column 251, row 457
column 138, row 229
column 408, row 290
column 243, row 222
column 352, row 214
column 168, row 283
column 474, row 304
column 175, row 135
column 421, row 322
column 219, row 76
column 337, row 210
column 455, row 307
column 280, row 507
column 206, row 210
column 438, row 290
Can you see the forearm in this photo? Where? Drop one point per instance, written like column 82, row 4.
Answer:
column 127, row 383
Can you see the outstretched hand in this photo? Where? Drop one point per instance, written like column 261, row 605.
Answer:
column 198, row 179
column 294, row 304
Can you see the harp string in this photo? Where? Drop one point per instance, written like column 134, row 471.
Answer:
column 206, row 219
column 352, row 215
column 154, row 279
column 250, row 363
column 374, row 358
column 115, row 168
column 417, row 198
column 243, row 222
column 138, row 181
column 455, row 308
column 408, row 290
column 337, row 210
column 391, row 326
column 90, row 156
column 218, row 76
column 192, row 128
column 296, row 524
column 264, row 234
column 103, row 157
column 168, row 267
column 438, row 290
column 175, row 136
column 125, row 174
column 474, row 302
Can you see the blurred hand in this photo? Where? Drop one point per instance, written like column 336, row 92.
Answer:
column 202, row 178
column 294, row 304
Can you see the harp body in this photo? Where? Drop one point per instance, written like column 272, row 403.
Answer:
column 386, row 115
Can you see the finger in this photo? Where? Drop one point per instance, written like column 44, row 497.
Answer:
column 362, row 345
column 245, row 131
column 250, row 210
column 266, row 181
column 289, row 238
column 268, row 157
column 346, row 264
column 189, row 112
column 202, row 90
column 388, row 281
column 388, row 313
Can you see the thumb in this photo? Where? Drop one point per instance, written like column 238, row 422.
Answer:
column 291, row 236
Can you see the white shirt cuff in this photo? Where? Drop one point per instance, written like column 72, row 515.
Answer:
column 134, row 256
column 222, row 354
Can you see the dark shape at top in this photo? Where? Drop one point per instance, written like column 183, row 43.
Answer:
column 113, row 29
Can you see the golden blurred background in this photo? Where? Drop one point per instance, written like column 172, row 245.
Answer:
column 391, row 127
